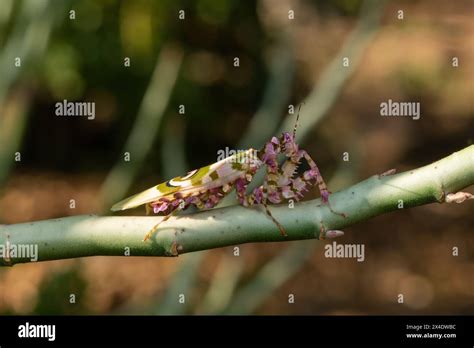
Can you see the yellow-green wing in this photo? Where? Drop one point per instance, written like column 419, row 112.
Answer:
column 167, row 188
column 214, row 175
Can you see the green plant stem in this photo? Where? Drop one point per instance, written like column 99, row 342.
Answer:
column 92, row 235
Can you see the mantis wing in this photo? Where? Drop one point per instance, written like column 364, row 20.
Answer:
column 198, row 180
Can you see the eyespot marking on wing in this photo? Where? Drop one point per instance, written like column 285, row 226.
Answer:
column 197, row 180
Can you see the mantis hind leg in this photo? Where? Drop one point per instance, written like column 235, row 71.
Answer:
column 166, row 207
column 275, row 221
column 257, row 197
column 155, row 228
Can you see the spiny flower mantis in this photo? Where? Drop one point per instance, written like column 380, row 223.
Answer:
column 205, row 187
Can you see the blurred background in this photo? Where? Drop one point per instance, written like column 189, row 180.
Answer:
column 167, row 90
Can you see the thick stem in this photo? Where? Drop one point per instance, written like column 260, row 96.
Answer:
column 92, row 235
